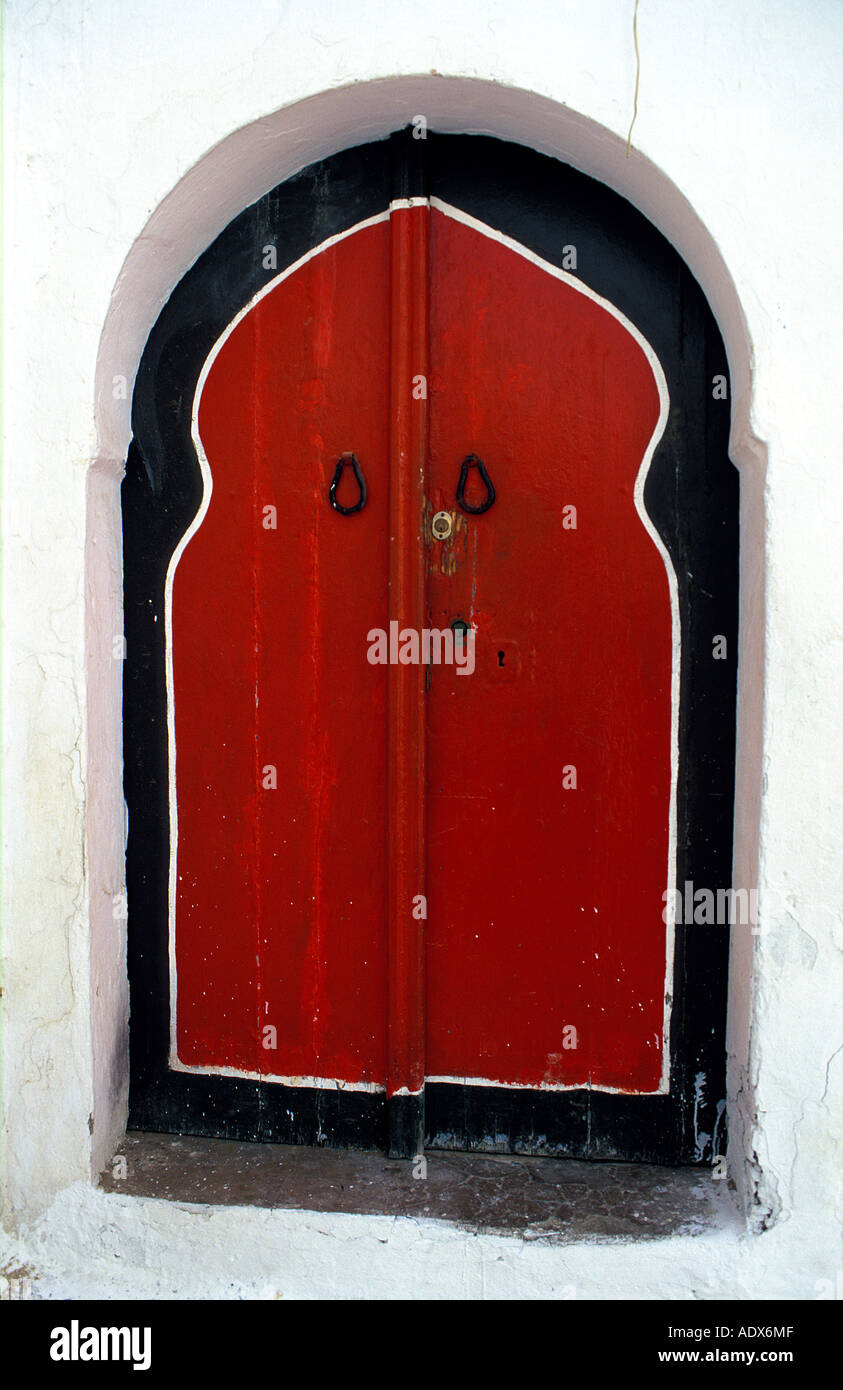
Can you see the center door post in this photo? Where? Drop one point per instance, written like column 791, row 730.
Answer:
column 406, row 901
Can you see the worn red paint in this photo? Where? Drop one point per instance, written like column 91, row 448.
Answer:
column 544, row 904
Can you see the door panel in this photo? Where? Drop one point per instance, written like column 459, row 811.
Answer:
column 545, row 901
column 287, row 930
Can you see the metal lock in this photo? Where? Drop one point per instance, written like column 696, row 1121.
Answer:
column 441, row 525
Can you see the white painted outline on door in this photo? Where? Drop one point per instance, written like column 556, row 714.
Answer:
column 326, row 1083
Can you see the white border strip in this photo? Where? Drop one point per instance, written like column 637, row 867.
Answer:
column 318, row 1083
column 324, row 1083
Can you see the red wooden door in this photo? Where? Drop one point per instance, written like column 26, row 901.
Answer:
column 279, row 720
column 550, row 767
column 361, row 896
column 299, row 789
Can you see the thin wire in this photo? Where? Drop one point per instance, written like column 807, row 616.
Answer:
column 637, row 78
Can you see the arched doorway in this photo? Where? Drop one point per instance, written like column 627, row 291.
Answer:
column 362, row 898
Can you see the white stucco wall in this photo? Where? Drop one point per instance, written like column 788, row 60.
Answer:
column 111, row 118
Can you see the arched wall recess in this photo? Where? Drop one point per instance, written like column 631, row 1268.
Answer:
column 685, row 1142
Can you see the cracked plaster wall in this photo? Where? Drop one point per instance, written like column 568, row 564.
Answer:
column 106, row 186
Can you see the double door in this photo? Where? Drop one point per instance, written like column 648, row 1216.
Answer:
column 422, row 655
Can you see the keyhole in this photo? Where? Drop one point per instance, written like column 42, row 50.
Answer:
column 500, row 658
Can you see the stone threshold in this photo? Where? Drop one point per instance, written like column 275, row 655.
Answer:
column 549, row 1199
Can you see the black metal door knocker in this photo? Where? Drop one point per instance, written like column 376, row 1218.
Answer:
column 472, row 461
column 361, row 483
